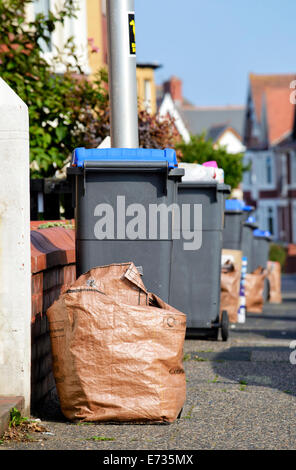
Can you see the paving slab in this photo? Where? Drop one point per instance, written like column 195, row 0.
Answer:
column 241, row 394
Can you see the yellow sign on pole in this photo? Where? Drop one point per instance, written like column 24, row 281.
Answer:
column 132, row 33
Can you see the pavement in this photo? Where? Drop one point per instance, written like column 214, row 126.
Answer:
column 241, row 394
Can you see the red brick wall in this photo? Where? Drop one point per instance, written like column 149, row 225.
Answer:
column 53, row 268
column 290, row 267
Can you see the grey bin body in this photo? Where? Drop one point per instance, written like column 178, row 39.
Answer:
column 196, row 275
column 260, row 257
column 260, row 252
column 238, row 234
column 139, row 183
column 232, row 233
column 247, row 245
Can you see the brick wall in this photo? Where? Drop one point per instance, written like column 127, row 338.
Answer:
column 53, row 268
column 290, row 267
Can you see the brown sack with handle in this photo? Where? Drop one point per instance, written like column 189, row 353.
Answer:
column 117, row 349
column 274, row 278
column 254, row 287
column 230, row 286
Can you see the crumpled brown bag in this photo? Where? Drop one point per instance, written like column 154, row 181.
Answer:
column 274, row 278
column 254, row 286
column 117, row 349
column 230, row 287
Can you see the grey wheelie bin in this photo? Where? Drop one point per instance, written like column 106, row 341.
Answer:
column 117, row 196
column 261, row 244
column 236, row 212
column 248, row 241
column 196, row 258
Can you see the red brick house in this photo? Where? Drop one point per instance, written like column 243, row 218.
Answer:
column 270, row 139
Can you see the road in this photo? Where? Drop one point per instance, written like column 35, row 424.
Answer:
column 241, row 394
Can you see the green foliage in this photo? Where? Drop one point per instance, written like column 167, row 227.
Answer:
column 200, row 150
column 66, row 225
column 157, row 133
column 65, row 111
column 277, row 253
column 16, row 418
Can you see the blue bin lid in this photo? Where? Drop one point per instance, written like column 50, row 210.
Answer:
column 261, row 233
column 233, row 205
column 248, row 208
column 251, row 220
column 81, row 155
column 236, row 205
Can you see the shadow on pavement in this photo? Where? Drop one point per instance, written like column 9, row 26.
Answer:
column 258, row 366
column 268, row 334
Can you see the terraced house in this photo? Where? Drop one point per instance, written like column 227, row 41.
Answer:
column 270, row 140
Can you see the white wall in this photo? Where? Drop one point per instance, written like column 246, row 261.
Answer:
column 15, row 259
column 168, row 107
column 76, row 27
column 231, row 142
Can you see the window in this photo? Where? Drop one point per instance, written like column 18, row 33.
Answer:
column 268, row 170
column 43, row 6
column 270, row 220
column 293, row 168
column 250, row 173
column 294, row 221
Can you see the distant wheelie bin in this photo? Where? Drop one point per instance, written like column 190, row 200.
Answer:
column 123, row 199
column 236, row 213
column 196, row 265
column 248, row 241
column 260, row 254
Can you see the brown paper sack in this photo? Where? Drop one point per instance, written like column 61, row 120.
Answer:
column 274, row 278
column 230, row 283
column 254, row 286
column 230, row 286
column 117, row 349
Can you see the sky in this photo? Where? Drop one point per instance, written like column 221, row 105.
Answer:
column 213, row 45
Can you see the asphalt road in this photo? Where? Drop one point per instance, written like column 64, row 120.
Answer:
column 240, row 395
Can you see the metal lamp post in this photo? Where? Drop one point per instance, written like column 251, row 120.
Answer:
column 122, row 73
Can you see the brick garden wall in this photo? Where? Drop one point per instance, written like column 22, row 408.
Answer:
column 290, row 267
column 53, row 268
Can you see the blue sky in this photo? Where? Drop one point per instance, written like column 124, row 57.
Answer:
column 212, row 45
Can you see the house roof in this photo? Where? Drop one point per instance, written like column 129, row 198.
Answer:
column 202, row 119
column 258, row 84
column 149, row 65
column 279, row 113
column 216, row 132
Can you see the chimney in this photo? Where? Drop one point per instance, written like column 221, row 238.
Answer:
column 174, row 87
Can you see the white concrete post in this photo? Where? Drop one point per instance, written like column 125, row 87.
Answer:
column 15, row 259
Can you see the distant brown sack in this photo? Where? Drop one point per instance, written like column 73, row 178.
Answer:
column 254, row 285
column 230, row 286
column 115, row 357
column 274, row 278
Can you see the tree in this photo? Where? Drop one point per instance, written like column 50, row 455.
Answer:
column 65, row 110
column 156, row 132
column 200, row 150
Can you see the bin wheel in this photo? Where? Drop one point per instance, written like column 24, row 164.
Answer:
column 180, row 414
column 224, row 325
column 214, row 334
